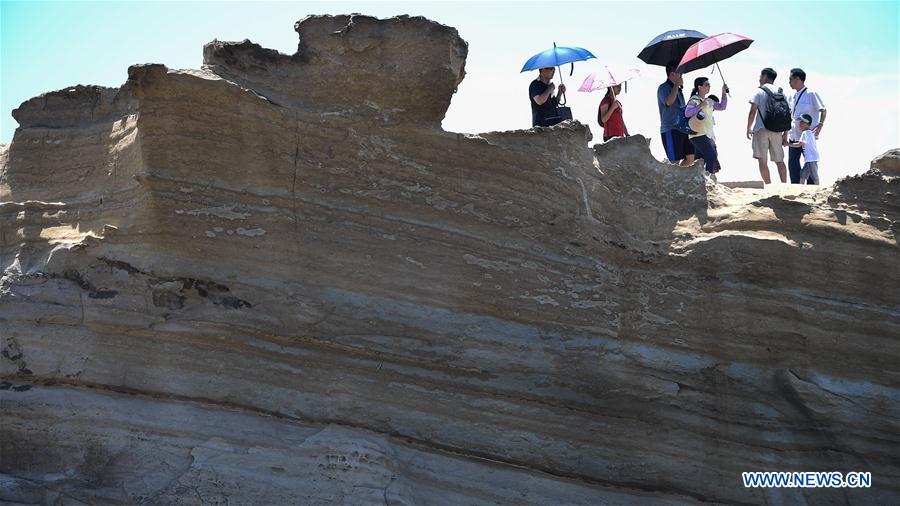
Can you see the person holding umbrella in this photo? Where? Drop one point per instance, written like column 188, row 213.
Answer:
column 666, row 49
column 703, row 53
column 700, row 109
column 542, row 93
column 670, row 100
column 544, row 101
column 610, row 114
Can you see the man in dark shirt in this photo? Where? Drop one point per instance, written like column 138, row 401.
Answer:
column 543, row 102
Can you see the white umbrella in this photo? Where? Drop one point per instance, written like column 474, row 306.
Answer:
column 608, row 77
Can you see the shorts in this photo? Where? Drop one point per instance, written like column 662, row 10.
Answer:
column 677, row 145
column 767, row 142
column 810, row 172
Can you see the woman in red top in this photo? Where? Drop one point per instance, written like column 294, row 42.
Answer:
column 610, row 115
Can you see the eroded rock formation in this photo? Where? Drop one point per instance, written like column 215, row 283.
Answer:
column 277, row 280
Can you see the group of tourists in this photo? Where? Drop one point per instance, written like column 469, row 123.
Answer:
column 775, row 121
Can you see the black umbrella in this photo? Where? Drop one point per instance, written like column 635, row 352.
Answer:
column 669, row 47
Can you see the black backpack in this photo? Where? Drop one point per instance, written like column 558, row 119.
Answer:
column 778, row 112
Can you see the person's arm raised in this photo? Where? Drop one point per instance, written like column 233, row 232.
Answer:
column 670, row 99
column 676, row 88
column 720, row 106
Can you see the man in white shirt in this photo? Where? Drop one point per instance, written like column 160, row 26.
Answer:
column 803, row 102
column 766, row 143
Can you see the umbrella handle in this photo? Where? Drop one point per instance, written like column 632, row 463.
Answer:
column 723, row 78
column 561, row 96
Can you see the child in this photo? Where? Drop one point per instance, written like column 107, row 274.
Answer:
column 807, row 142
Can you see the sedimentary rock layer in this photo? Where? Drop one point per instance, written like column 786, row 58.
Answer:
column 276, row 279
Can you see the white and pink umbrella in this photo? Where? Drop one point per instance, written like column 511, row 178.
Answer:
column 606, row 78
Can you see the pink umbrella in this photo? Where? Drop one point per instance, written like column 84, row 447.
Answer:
column 606, row 78
column 712, row 50
column 602, row 80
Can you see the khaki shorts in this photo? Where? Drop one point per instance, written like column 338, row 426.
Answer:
column 767, row 142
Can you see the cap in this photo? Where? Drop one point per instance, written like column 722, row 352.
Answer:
column 805, row 118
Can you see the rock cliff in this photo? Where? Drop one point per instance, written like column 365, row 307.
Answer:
column 277, row 280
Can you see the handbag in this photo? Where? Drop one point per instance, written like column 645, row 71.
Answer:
column 695, row 122
column 562, row 111
column 689, row 125
column 682, row 123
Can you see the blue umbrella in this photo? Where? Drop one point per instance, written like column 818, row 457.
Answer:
column 556, row 57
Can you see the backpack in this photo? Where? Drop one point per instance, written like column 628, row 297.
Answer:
column 778, row 112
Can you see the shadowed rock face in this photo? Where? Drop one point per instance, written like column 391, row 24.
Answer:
column 277, row 280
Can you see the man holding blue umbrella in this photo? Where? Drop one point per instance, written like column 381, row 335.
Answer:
column 542, row 92
column 544, row 101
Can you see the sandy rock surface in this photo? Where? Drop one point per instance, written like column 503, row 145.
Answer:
column 276, row 280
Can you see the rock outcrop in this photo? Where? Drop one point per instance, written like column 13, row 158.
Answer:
column 888, row 163
column 277, row 280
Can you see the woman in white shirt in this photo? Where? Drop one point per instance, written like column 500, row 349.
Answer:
column 700, row 109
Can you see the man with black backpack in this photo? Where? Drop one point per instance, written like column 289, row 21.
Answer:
column 768, row 124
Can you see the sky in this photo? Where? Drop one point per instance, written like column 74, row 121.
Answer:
column 849, row 50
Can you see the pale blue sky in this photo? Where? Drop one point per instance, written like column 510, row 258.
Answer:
column 46, row 46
